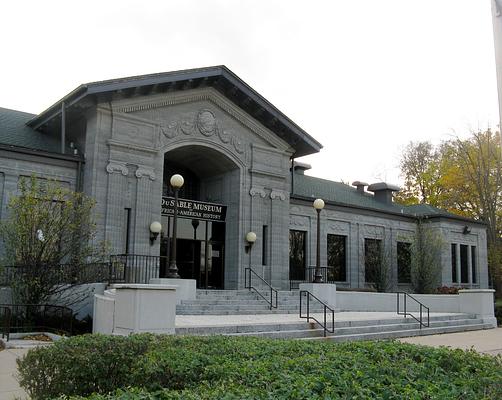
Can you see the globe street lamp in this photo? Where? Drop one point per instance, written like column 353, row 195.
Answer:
column 318, row 205
column 176, row 182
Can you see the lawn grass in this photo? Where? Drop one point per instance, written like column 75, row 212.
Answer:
column 173, row 367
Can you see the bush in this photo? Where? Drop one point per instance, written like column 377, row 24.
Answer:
column 498, row 313
column 81, row 365
column 173, row 367
column 447, row 290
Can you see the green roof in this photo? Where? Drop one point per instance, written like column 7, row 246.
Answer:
column 345, row 195
column 15, row 132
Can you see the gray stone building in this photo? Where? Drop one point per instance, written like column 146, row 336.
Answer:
column 120, row 140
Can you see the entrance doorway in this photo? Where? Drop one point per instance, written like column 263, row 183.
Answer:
column 200, row 251
column 208, row 241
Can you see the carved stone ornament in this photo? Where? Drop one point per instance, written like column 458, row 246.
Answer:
column 277, row 194
column 117, row 167
column 257, row 191
column 372, row 230
column 298, row 220
column 145, row 171
column 339, row 226
column 204, row 123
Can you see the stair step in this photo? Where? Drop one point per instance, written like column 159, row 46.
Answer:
column 308, row 330
column 408, row 333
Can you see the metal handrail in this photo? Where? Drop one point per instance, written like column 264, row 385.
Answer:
column 18, row 318
column 6, row 314
column 406, row 313
column 248, row 285
column 309, row 317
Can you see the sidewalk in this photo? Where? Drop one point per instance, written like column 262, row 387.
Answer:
column 9, row 388
column 487, row 341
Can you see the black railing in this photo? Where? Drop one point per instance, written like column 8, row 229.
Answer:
column 422, row 309
column 307, row 275
column 58, row 274
column 18, row 318
column 5, row 317
column 325, row 307
column 248, row 284
column 133, row 268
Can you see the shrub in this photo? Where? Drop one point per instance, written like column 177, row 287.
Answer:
column 81, row 365
column 498, row 313
column 172, row 367
column 447, row 290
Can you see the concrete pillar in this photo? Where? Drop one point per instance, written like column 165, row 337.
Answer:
column 278, row 235
column 117, row 172
column 353, row 258
column 144, row 308
column 144, row 176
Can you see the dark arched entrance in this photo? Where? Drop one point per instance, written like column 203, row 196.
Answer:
column 202, row 241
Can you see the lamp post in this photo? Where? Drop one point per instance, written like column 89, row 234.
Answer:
column 176, row 182
column 318, row 205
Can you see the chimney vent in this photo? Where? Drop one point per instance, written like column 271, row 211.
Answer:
column 383, row 191
column 300, row 167
column 359, row 186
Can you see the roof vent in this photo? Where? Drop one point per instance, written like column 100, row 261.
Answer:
column 300, row 167
column 359, row 185
column 383, row 191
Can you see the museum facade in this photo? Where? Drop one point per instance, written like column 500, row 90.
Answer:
column 120, row 141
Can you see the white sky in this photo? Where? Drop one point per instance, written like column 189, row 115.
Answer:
column 363, row 77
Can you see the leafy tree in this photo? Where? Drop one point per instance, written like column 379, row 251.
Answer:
column 425, row 259
column 420, row 169
column 49, row 236
column 465, row 178
column 377, row 266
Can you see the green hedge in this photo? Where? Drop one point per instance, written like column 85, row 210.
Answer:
column 174, row 367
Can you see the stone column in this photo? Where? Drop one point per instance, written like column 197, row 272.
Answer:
column 117, row 172
column 257, row 195
column 353, row 259
column 278, row 240
column 144, row 175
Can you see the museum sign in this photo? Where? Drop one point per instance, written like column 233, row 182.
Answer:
column 194, row 209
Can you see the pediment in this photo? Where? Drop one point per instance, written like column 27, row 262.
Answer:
column 202, row 111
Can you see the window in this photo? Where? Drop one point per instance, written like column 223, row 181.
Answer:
column 297, row 254
column 454, row 263
column 403, row 262
column 337, row 265
column 264, row 247
column 473, row 264
column 464, row 275
column 372, row 258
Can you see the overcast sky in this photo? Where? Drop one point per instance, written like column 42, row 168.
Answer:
column 363, row 77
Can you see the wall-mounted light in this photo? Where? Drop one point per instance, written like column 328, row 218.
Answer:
column 250, row 239
column 466, row 230
column 155, row 228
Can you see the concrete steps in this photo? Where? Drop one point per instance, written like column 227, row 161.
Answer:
column 245, row 302
column 240, row 302
column 345, row 330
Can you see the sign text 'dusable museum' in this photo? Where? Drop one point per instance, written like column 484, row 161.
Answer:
column 194, row 209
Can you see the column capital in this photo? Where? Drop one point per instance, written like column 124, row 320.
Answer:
column 277, row 194
column 145, row 171
column 117, row 167
column 257, row 191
